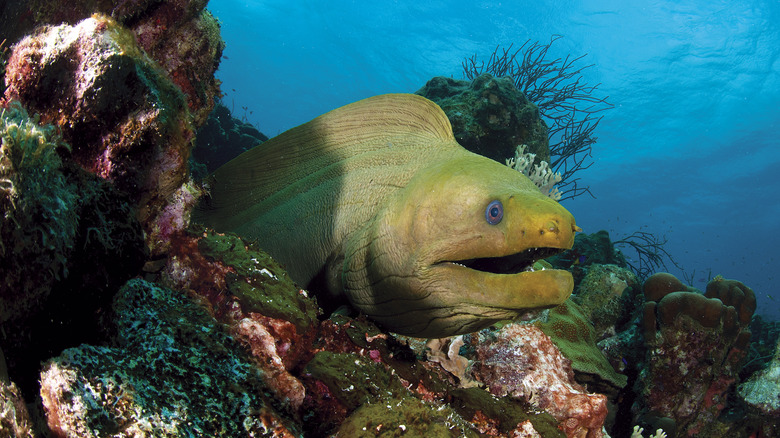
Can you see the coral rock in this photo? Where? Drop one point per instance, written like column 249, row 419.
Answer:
column 125, row 120
column 599, row 294
column 68, row 240
column 521, row 361
column 696, row 347
column 174, row 373
column 180, row 35
column 14, row 418
column 254, row 297
column 489, row 116
column 661, row 284
column 184, row 39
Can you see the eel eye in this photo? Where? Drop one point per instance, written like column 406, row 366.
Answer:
column 494, row 212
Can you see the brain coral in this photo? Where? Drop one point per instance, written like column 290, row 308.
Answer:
column 600, row 292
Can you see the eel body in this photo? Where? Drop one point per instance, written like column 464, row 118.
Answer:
column 376, row 202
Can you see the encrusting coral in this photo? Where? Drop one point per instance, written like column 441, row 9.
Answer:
column 521, row 361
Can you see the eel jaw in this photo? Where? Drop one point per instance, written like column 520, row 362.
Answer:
column 508, row 284
column 522, row 261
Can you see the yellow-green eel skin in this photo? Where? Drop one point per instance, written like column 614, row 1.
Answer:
column 377, row 203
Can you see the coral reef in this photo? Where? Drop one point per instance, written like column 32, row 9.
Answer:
column 225, row 344
column 127, row 99
column 696, row 345
column 489, row 116
column 173, row 372
column 307, row 364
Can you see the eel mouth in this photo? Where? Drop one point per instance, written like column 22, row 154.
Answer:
column 522, row 261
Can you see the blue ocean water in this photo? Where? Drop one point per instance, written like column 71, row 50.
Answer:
column 690, row 151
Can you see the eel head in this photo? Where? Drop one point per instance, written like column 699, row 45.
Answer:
column 454, row 251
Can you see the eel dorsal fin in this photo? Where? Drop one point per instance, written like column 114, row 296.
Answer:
column 375, row 123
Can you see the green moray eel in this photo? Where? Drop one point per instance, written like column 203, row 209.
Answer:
column 376, row 202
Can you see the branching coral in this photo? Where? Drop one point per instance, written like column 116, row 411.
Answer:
column 650, row 253
column 541, row 175
column 637, row 433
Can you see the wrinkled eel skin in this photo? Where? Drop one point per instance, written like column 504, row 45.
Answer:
column 379, row 203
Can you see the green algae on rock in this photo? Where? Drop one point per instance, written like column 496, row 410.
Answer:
column 404, row 416
column 57, row 220
column 260, row 283
column 377, row 401
column 352, row 379
column 39, row 223
column 173, row 373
